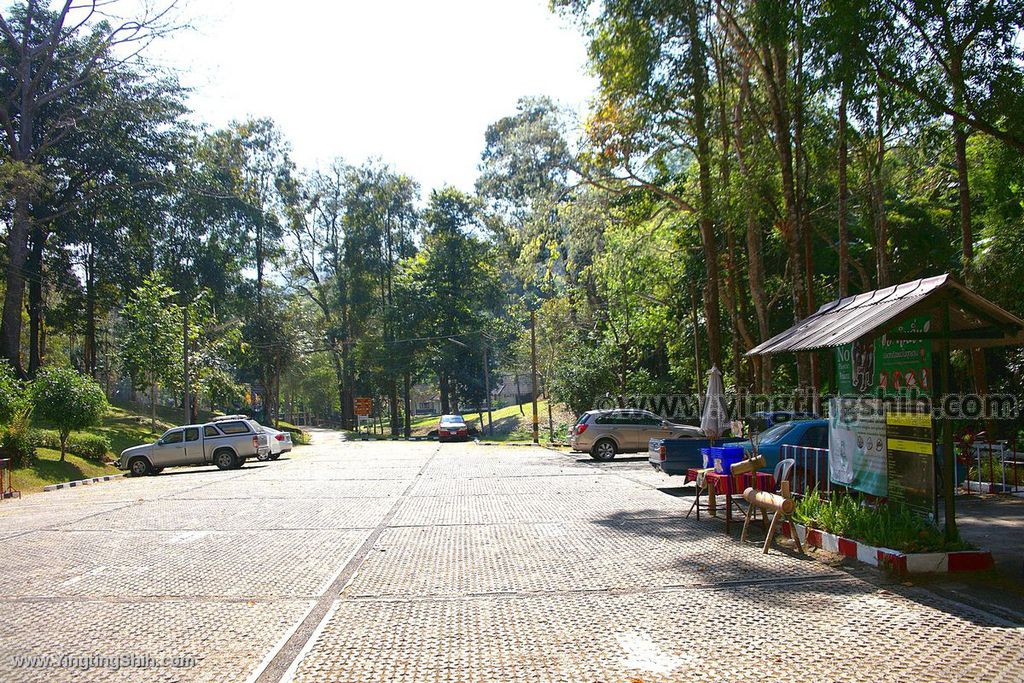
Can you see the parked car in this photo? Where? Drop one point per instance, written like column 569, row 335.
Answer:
column 452, row 428
column 606, row 433
column 677, row 455
column 226, row 443
column 280, row 442
column 809, row 433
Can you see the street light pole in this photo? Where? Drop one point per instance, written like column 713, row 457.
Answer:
column 533, row 374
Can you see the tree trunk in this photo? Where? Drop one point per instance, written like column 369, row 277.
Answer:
column 878, row 187
column 17, row 258
column 775, row 62
column 408, row 404
column 442, row 382
column 393, row 400
column 36, row 308
column 698, row 73
column 844, row 240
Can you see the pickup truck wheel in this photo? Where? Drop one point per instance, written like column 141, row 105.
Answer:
column 139, row 467
column 603, row 450
column 224, row 459
column 239, row 462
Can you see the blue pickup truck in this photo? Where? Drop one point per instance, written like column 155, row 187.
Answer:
column 675, row 456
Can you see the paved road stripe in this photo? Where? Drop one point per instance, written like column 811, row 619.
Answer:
column 284, row 664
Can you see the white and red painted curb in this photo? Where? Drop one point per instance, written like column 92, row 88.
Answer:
column 894, row 560
column 83, row 482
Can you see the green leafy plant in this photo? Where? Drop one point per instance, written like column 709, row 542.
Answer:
column 886, row 525
column 68, row 400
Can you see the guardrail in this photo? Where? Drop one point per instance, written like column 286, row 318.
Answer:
column 998, row 467
column 810, row 471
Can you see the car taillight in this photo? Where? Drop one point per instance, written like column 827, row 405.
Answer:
column 580, row 428
column 255, row 442
column 279, row 437
column 661, row 453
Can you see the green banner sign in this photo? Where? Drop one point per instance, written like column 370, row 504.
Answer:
column 887, row 366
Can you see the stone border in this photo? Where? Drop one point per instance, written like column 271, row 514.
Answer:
column 894, row 560
column 84, row 482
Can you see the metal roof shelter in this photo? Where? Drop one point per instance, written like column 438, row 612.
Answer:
column 974, row 321
column 961, row 319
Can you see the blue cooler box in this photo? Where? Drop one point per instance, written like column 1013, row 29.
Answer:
column 722, row 458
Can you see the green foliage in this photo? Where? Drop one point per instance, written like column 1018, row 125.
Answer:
column 12, row 394
column 582, row 375
column 68, row 400
column 88, row 446
column 150, row 330
column 16, row 442
column 885, row 525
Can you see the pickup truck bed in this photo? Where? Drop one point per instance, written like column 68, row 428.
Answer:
column 676, row 456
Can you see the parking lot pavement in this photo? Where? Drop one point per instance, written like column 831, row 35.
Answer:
column 386, row 561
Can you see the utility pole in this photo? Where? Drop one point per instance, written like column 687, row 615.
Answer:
column 487, row 389
column 533, row 375
column 188, row 387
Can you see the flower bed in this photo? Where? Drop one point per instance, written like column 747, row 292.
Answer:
column 882, row 525
column 886, row 535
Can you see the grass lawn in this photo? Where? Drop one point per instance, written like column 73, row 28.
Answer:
column 48, row 469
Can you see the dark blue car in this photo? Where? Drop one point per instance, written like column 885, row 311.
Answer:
column 809, row 433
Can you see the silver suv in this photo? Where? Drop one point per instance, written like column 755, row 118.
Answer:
column 226, row 443
column 604, row 433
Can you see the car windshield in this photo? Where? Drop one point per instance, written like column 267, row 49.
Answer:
column 452, row 420
column 776, row 433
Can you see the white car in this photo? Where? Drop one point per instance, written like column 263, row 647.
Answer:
column 280, row 442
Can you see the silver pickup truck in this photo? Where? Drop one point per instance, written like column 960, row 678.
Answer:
column 224, row 443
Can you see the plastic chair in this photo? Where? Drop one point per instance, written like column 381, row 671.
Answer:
column 783, row 471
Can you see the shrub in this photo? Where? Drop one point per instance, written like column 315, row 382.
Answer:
column 16, row 441
column 45, row 438
column 16, row 444
column 12, row 394
column 88, row 446
column 69, row 400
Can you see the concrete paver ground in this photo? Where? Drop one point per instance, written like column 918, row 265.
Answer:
column 388, row 561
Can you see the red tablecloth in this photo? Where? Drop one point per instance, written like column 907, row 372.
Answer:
column 759, row 481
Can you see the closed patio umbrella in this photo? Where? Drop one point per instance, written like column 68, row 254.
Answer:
column 714, row 418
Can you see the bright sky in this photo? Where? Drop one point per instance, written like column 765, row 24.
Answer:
column 414, row 82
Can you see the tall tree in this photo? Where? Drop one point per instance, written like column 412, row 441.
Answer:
column 49, row 59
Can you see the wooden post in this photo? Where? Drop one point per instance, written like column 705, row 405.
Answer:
column 948, row 458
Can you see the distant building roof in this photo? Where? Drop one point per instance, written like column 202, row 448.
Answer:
column 974, row 320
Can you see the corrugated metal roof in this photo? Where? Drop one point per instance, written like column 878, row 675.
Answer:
column 872, row 313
